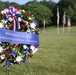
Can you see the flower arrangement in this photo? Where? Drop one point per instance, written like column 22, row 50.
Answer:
column 17, row 20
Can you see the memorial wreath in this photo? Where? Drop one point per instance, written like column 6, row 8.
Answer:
column 19, row 36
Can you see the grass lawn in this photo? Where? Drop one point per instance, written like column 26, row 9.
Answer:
column 56, row 55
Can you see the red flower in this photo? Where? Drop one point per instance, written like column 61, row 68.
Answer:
column 37, row 29
column 17, row 63
column 0, row 16
column 27, row 13
column 22, row 26
column 16, row 46
column 31, row 56
column 6, row 53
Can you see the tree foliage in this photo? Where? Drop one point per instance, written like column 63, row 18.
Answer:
column 1, row 6
column 46, row 9
column 69, row 6
column 41, row 12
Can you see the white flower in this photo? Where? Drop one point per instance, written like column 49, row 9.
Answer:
column 10, row 19
column 23, row 10
column 29, row 18
column 4, row 21
column 34, row 49
column 32, row 25
column 2, row 57
column 1, row 25
column 6, row 10
column 18, row 59
column 24, row 46
column 3, row 12
column 1, row 49
column 26, row 22
column 19, row 19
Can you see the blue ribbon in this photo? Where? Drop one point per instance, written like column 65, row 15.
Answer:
column 18, row 37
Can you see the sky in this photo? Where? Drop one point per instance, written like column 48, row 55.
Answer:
column 24, row 1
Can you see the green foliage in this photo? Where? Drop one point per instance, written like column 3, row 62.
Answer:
column 70, row 11
column 1, row 6
column 50, row 4
column 6, row 4
column 69, row 7
column 15, row 5
column 24, row 16
column 46, row 9
column 40, row 12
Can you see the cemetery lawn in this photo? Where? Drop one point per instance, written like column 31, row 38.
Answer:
column 56, row 55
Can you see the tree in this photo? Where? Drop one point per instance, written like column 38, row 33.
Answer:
column 69, row 6
column 74, row 13
column 40, row 12
column 1, row 6
column 6, row 4
column 34, row 0
column 70, row 11
column 15, row 4
column 52, row 6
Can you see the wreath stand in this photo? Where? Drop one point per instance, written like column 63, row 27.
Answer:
column 28, row 69
column 7, row 70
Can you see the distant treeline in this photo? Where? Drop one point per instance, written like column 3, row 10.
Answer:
column 46, row 10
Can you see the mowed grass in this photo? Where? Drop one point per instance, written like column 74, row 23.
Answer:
column 56, row 56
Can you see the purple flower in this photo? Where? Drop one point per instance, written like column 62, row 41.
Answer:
column 25, row 61
column 27, row 52
column 36, row 22
column 13, row 54
column 7, row 63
